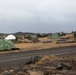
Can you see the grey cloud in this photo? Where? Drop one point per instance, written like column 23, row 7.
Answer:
column 37, row 15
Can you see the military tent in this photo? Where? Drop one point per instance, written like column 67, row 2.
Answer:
column 10, row 37
column 53, row 36
column 6, row 45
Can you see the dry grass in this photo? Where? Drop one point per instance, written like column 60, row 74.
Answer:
column 69, row 35
column 40, row 45
column 37, row 46
column 47, row 58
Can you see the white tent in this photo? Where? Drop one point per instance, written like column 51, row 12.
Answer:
column 10, row 37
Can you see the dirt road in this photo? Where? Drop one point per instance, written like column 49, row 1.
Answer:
column 15, row 59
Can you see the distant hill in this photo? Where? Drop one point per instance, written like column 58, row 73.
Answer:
column 26, row 33
column 30, row 33
column 22, row 33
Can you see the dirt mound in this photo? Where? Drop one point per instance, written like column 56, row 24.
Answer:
column 47, row 65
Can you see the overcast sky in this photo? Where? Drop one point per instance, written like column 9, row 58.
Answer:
column 37, row 16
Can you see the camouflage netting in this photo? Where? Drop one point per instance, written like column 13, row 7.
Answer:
column 53, row 36
column 33, row 38
column 6, row 45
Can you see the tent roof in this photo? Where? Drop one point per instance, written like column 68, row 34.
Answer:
column 10, row 37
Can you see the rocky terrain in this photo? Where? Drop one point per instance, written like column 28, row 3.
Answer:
column 46, row 65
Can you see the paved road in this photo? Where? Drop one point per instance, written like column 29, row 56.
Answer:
column 18, row 59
